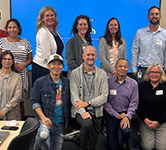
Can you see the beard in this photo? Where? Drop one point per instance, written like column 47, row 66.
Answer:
column 154, row 23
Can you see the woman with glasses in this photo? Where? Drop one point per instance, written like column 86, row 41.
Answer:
column 152, row 108
column 22, row 52
column 10, row 88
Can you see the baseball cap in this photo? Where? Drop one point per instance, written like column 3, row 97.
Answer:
column 55, row 57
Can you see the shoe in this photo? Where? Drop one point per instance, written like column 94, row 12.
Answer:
column 125, row 146
column 70, row 136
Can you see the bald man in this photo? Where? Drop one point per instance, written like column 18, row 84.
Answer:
column 89, row 90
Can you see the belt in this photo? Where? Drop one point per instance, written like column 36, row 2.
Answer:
column 139, row 67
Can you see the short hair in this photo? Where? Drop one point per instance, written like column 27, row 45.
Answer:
column 16, row 22
column 152, row 8
column 108, row 36
column 88, row 33
column 3, row 55
column 146, row 76
column 121, row 59
column 40, row 22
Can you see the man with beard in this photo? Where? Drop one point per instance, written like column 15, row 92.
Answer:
column 149, row 45
column 120, row 106
column 89, row 89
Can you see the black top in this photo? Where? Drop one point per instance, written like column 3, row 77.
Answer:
column 59, row 43
column 152, row 102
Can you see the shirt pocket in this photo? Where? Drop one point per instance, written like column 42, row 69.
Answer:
column 46, row 97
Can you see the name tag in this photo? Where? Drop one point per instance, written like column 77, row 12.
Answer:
column 21, row 47
column 139, row 75
column 113, row 92
column 159, row 42
column 159, row 92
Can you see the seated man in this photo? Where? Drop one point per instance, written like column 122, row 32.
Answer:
column 50, row 97
column 89, row 89
column 121, row 105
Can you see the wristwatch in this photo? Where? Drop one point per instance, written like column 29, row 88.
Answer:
column 89, row 103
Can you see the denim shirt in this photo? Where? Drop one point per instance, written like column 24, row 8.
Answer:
column 44, row 95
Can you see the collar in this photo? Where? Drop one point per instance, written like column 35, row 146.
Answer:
column 85, row 72
column 115, row 78
column 148, row 29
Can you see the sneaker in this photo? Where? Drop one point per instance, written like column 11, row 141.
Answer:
column 70, row 136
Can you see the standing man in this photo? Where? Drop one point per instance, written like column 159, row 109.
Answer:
column 149, row 45
column 89, row 89
column 121, row 105
column 50, row 97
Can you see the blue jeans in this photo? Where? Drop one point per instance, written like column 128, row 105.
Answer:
column 113, row 127
column 53, row 137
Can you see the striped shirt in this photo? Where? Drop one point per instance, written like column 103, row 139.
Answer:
column 20, row 50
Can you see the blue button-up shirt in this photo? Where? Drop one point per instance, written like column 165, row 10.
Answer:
column 122, row 97
column 44, row 95
column 148, row 47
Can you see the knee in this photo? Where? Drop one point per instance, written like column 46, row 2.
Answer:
column 87, row 124
column 147, row 146
column 161, row 145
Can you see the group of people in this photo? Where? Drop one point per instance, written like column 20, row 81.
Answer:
column 88, row 88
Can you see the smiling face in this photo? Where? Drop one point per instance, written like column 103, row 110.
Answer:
column 89, row 56
column 155, row 74
column 12, row 29
column 7, row 62
column 154, row 16
column 122, row 68
column 113, row 26
column 82, row 26
column 49, row 18
column 55, row 67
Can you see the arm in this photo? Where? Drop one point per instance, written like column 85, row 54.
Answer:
column 74, row 90
column 135, row 53
column 20, row 66
column 16, row 97
column 101, row 83
column 103, row 53
column 46, row 121
column 43, row 39
column 133, row 101
column 71, row 48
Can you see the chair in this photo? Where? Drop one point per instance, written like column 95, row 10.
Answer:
column 27, row 135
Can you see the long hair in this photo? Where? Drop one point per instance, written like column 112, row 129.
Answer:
column 146, row 76
column 3, row 55
column 108, row 36
column 16, row 22
column 40, row 22
column 88, row 33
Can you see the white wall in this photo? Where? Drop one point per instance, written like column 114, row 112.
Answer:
column 5, row 12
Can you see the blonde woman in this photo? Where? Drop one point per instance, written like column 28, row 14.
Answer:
column 152, row 108
column 48, row 41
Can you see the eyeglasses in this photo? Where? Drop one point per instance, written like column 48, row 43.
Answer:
column 154, row 72
column 5, row 59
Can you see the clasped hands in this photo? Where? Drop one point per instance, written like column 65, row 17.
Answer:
column 125, row 121
column 151, row 124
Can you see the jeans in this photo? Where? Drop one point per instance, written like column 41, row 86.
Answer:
column 53, row 137
column 113, row 127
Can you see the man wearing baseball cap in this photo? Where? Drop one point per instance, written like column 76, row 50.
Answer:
column 50, row 98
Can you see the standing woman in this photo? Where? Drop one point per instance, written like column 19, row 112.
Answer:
column 48, row 41
column 22, row 51
column 111, row 47
column 10, row 88
column 75, row 46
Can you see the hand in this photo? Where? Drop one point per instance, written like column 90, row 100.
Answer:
column 114, row 73
column 20, row 66
column 47, row 122
column 121, row 116
column 153, row 125
column 86, row 115
column 2, row 114
column 80, row 104
column 125, row 123
column 148, row 122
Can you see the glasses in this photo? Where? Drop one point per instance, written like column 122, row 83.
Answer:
column 5, row 59
column 155, row 72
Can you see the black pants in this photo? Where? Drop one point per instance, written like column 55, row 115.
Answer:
column 89, row 132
